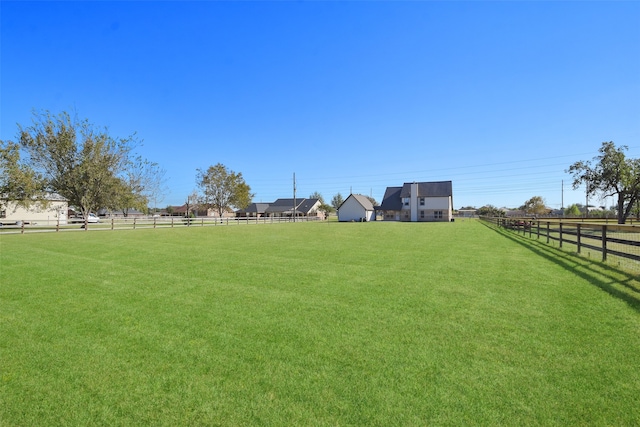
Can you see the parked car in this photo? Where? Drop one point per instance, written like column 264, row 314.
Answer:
column 91, row 218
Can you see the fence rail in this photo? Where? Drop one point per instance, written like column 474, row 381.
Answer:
column 613, row 243
column 141, row 222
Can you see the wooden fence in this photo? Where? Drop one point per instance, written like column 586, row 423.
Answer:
column 143, row 222
column 612, row 243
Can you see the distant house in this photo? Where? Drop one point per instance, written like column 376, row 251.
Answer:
column 120, row 213
column 52, row 210
column 418, row 202
column 298, row 207
column 254, row 210
column 356, row 208
column 198, row 212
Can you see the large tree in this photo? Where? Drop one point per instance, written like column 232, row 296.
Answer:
column 75, row 159
column 222, row 188
column 18, row 182
column 490, row 210
column 142, row 182
column 535, row 205
column 610, row 174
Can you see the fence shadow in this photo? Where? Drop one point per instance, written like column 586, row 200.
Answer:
column 617, row 283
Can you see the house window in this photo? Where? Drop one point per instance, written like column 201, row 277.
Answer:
column 421, row 214
column 405, row 201
column 422, row 201
column 437, row 214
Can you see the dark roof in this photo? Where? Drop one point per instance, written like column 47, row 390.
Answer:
column 429, row 189
column 306, row 205
column 391, row 200
column 255, row 208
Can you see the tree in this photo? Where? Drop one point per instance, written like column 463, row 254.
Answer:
column 610, row 174
column 142, row 181
column 337, row 201
column 573, row 210
column 222, row 188
column 372, row 200
column 535, row 205
column 75, row 160
column 18, row 182
column 490, row 210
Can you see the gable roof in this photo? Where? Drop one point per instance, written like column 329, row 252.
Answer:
column 362, row 200
column 255, row 208
column 307, row 205
column 303, row 205
column 391, row 200
column 429, row 189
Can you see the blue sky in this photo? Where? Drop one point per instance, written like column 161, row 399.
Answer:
column 498, row 97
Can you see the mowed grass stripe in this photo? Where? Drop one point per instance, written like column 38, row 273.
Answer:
column 311, row 324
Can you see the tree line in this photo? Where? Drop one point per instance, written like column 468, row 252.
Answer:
column 93, row 170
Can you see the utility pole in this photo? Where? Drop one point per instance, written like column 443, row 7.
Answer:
column 562, row 198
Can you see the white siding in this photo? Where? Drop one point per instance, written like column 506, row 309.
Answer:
column 352, row 210
column 56, row 210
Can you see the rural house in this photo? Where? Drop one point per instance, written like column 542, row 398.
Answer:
column 254, row 210
column 53, row 210
column 356, row 208
column 303, row 207
column 418, row 201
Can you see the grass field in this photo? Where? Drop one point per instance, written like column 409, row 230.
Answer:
column 313, row 324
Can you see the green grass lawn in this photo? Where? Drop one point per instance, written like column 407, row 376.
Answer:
column 313, row 324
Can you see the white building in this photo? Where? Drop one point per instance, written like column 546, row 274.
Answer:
column 356, row 208
column 49, row 212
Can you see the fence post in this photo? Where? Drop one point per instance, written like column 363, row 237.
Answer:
column 58, row 225
column 134, row 222
column 171, row 222
column 538, row 229
column 154, row 222
column 112, row 223
column 561, row 234
column 548, row 226
column 604, row 243
column 578, row 239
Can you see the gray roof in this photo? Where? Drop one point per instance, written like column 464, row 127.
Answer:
column 429, row 189
column 392, row 200
column 286, row 205
column 306, row 205
column 255, row 208
column 363, row 200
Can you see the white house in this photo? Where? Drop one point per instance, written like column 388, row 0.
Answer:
column 356, row 208
column 418, row 201
column 53, row 211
